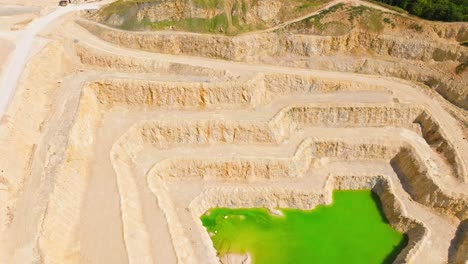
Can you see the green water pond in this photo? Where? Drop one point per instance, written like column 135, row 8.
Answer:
column 352, row 229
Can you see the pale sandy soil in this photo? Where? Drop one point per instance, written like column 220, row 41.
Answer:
column 111, row 154
column 29, row 4
column 6, row 47
column 15, row 16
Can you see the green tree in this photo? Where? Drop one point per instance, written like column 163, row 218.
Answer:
column 443, row 10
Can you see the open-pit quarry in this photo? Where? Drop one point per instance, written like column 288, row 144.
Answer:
column 117, row 141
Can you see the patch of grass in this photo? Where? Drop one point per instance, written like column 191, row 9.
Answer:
column 332, row 9
column 162, row 25
column 416, row 27
column 297, row 8
column 371, row 18
column 461, row 67
column 217, row 24
column 200, row 25
column 212, row 25
column 130, row 24
column 325, row 12
column 306, row 5
column 120, row 7
column 210, row 4
column 356, row 11
column 315, row 21
column 335, row 28
column 244, row 7
column 387, row 20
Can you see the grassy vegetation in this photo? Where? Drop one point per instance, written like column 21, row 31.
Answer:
column 306, row 5
column 325, row 12
column 330, row 10
column 208, row 4
column 387, row 20
column 368, row 18
column 123, row 14
column 316, row 22
column 416, row 27
column 356, row 11
column 442, row 10
column 120, row 7
column 297, row 8
column 371, row 18
column 162, row 25
column 364, row 17
column 217, row 24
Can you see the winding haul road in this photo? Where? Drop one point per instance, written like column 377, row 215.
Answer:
column 23, row 46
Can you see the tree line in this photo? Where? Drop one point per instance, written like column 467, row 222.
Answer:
column 441, row 10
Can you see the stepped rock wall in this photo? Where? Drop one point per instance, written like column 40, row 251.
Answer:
column 260, row 47
column 417, row 177
column 246, row 47
column 437, row 139
column 167, row 134
column 460, row 244
column 299, row 117
column 171, row 95
column 102, row 60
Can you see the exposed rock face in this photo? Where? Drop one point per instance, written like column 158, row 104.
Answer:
column 406, row 163
column 259, row 46
column 268, row 10
column 460, row 244
column 162, row 134
column 96, row 59
column 167, row 10
column 256, row 92
column 172, row 95
column 269, row 46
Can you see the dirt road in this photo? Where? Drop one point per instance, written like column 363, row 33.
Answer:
column 20, row 55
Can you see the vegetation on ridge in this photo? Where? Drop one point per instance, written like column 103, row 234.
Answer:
column 340, row 19
column 443, row 10
column 203, row 16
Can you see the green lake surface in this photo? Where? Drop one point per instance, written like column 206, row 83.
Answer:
column 352, row 229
